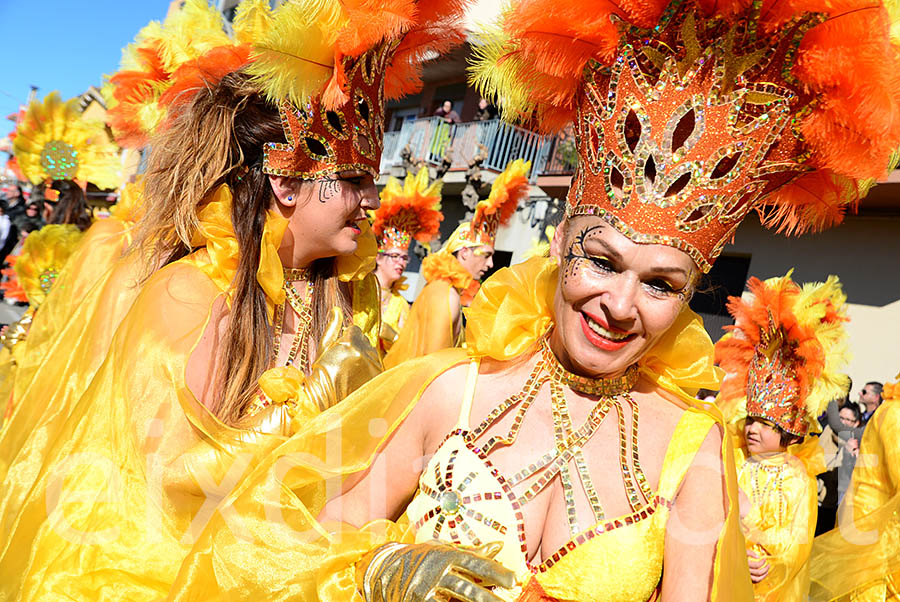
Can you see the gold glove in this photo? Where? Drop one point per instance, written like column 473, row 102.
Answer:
column 17, row 331
column 344, row 363
column 429, row 572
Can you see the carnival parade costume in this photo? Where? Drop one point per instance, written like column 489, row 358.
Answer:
column 408, row 211
column 783, row 358
column 431, row 323
column 135, row 441
column 860, row 559
column 688, row 117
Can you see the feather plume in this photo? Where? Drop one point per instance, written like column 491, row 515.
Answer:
column 809, row 322
column 508, row 190
column 295, row 59
column 252, row 19
column 413, row 207
column 43, row 256
column 194, row 29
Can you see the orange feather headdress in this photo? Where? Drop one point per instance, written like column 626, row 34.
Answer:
column 407, row 211
column 689, row 114
column 785, row 351
column 508, row 190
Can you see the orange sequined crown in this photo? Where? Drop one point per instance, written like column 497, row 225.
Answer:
column 787, row 357
column 688, row 115
column 678, row 148
column 349, row 137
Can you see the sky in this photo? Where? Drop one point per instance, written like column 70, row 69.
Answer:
column 64, row 45
column 69, row 45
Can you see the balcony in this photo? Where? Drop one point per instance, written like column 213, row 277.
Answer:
column 429, row 140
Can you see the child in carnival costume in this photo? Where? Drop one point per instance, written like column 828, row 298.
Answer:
column 408, row 211
column 257, row 306
column 782, row 360
column 454, row 272
column 562, row 455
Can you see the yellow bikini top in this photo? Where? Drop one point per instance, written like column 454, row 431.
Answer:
column 463, row 499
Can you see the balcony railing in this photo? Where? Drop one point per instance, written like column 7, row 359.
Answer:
column 429, row 140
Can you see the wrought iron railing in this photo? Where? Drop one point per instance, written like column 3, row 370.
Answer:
column 431, row 138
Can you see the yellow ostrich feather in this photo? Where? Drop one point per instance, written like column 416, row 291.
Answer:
column 190, row 32
column 54, row 142
column 43, row 256
column 252, row 20
column 822, row 307
column 294, row 59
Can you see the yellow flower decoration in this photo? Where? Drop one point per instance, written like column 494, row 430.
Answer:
column 54, row 142
column 44, row 254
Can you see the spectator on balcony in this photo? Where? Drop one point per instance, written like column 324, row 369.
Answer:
column 486, row 111
column 446, row 111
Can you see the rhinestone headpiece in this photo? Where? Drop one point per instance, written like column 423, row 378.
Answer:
column 688, row 130
column 322, row 142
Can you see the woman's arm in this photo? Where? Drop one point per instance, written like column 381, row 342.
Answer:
column 695, row 525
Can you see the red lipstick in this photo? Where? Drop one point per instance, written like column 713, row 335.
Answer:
column 599, row 341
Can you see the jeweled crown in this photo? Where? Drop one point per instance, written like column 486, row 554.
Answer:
column 322, row 142
column 688, row 130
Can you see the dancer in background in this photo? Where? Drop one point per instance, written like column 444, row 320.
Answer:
column 453, row 273
column 408, row 211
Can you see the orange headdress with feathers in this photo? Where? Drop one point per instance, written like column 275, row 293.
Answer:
column 508, row 190
column 785, row 351
column 690, row 114
column 407, row 211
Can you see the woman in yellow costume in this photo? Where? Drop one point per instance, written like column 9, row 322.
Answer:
column 782, row 362
column 408, row 211
column 561, row 456
column 453, row 273
column 860, row 559
column 261, row 305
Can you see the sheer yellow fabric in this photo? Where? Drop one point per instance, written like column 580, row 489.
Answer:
column 393, row 319
column 781, row 527
column 121, row 484
column 429, row 327
column 860, row 559
column 265, row 541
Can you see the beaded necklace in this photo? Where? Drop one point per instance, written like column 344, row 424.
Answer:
column 569, row 441
column 301, row 305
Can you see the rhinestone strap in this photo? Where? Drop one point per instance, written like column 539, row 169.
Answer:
column 600, row 387
column 302, row 307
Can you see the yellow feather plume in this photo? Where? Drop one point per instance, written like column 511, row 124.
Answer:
column 295, row 58
column 191, row 31
column 252, row 20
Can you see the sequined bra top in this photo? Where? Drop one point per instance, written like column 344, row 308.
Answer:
column 463, row 499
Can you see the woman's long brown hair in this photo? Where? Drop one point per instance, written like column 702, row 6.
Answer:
column 218, row 138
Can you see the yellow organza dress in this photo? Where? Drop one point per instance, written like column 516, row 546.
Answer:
column 781, row 522
column 860, row 559
column 280, row 551
column 430, row 326
column 124, row 485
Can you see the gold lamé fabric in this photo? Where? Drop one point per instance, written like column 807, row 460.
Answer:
column 430, row 326
column 265, row 541
column 781, row 526
column 859, row 560
column 111, row 492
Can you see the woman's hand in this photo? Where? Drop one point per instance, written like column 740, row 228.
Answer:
column 759, row 567
column 429, row 572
